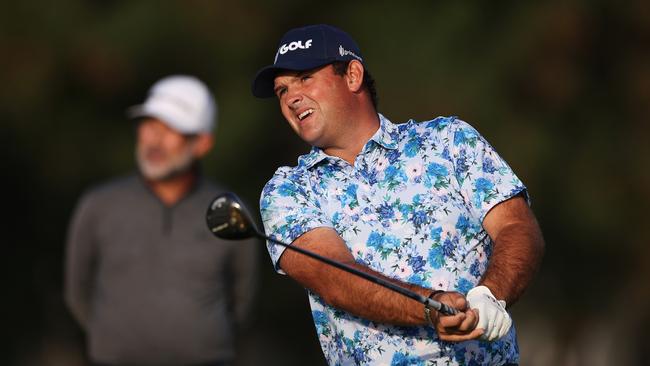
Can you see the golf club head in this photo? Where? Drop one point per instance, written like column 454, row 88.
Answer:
column 227, row 218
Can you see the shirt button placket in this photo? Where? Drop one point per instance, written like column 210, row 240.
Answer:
column 364, row 191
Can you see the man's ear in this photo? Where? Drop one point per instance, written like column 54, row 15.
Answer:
column 202, row 144
column 354, row 75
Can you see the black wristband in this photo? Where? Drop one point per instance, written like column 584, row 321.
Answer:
column 427, row 311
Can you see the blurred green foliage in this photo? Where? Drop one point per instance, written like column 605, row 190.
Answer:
column 560, row 88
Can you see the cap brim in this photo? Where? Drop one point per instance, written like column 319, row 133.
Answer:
column 141, row 111
column 135, row 112
column 264, row 81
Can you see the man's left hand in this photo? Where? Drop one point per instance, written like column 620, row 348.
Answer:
column 492, row 314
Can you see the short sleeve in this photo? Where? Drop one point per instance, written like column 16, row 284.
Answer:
column 289, row 209
column 485, row 179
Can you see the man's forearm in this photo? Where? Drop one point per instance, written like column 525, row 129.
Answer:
column 344, row 290
column 372, row 301
column 515, row 259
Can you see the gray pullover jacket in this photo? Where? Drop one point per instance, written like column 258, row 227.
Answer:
column 149, row 284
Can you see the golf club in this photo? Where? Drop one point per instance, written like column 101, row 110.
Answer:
column 227, row 218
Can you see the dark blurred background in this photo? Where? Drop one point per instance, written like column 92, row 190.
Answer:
column 560, row 88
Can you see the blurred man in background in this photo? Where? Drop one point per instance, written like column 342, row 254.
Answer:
column 144, row 277
column 427, row 205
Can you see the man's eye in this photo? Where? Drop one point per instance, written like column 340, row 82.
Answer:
column 280, row 92
column 305, row 77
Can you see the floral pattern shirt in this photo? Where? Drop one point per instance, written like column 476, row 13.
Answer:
column 410, row 207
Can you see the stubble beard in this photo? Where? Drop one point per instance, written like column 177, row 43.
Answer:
column 170, row 168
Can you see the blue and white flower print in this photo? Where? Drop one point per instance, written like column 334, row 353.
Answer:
column 411, row 207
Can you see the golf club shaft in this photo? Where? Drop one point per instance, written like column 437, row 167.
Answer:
column 442, row 308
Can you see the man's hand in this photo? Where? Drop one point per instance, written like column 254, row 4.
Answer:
column 459, row 327
column 493, row 317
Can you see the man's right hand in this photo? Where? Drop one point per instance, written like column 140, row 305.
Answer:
column 459, row 327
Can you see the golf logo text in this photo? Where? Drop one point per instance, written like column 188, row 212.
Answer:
column 294, row 46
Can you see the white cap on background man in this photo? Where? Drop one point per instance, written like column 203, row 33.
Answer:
column 182, row 102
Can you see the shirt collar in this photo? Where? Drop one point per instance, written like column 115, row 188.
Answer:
column 387, row 133
column 386, row 136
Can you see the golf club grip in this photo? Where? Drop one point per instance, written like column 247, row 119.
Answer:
column 440, row 307
column 446, row 309
column 443, row 308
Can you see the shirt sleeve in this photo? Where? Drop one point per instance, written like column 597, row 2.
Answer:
column 485, row 179
column 80, row 261
column 289, row 209
column 245, row 274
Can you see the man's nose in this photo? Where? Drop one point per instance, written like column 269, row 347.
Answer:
column 294, row 97
column 151, row 133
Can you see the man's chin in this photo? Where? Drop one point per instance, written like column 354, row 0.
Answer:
column 167, row 171
column 161, row 174
column 154, row 175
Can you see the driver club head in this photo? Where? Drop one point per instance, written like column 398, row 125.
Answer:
column 227, row 218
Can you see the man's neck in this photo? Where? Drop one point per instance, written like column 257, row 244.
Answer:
column 357, row 138
column 172, row 190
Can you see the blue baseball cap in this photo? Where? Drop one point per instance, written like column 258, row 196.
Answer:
column 304, row 49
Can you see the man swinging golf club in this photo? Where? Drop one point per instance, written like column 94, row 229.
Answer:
column 429, row 206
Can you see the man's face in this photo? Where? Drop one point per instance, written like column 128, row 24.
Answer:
column 315, row 103
column 161, row 151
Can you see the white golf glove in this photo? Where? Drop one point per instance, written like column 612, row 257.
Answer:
column 492, row 314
